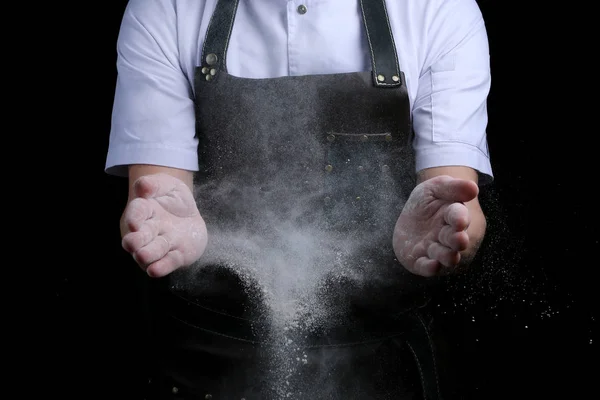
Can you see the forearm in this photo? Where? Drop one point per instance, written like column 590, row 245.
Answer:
column 139, row 170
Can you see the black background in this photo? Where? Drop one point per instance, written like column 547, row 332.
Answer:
column 521, row 325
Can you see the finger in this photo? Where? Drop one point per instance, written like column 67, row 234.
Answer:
column 153, row 251
column 134, row 241
column 156, row 185
column 446, row 256
column 453, row 189
column 449, row 237
column 163, row 267
column 457, row 216
column 138, row 211
column 426, row 267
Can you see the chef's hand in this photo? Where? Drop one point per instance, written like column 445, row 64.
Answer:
column 161, row 225
column 431, row 231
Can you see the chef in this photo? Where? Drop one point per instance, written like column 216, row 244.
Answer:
column 267, row 141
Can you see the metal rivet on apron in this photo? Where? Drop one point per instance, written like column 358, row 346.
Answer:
column 388, row 137
column 329, row 168
column 357, row 197
column 364, row 138
column 208, row 396
column 302, row 9
column 212, row 59
column 331, row 138
column 205, row 70
column 327, row 199
column 208, row 77
column 361, row 168
column 395, row 78
column 213, row 72
column 385, row 168
column 380, row 78
column 175, row 390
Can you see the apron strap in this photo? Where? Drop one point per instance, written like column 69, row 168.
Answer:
column 217, row 37
column 384, row 58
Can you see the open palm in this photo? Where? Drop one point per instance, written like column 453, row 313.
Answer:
column 432, row 228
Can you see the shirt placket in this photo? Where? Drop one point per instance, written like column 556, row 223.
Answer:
column 297, row 10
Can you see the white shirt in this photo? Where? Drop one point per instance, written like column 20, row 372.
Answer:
column 442, row 48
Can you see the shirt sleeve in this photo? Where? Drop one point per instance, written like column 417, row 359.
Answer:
column 450, row 110
column 153, row 120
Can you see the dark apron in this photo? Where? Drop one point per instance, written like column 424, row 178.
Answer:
column 312, row 172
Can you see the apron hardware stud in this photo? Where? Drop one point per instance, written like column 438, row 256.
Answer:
column 213, row 71
column 175, row 390
column 331, row 137
column 385, row 168
column 388, row 137
column 212, row 59
column 327, row 199
column 208, row 77
column 205, row 70
column 208, row 397
column 329, row 168
column 396, row 78
column 361, row 168
column 364, row 138
column 380, row 78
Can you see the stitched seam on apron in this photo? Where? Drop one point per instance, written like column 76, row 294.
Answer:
column 349, row 344
column 387, row 20
column 368, row 37
column 437, row 383
column 216, row 333
column 418, row 365
column 210, row 309
column 229, row 35
column 207, row 30
column 374, row 340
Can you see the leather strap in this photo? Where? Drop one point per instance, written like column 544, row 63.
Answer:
column 384, row 58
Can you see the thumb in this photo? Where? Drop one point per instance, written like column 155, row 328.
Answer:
column 155, row 185
column 453, row 189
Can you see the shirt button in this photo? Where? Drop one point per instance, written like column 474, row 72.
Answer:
column 302, row 9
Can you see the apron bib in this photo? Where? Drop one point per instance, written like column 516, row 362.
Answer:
column 298, row 295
